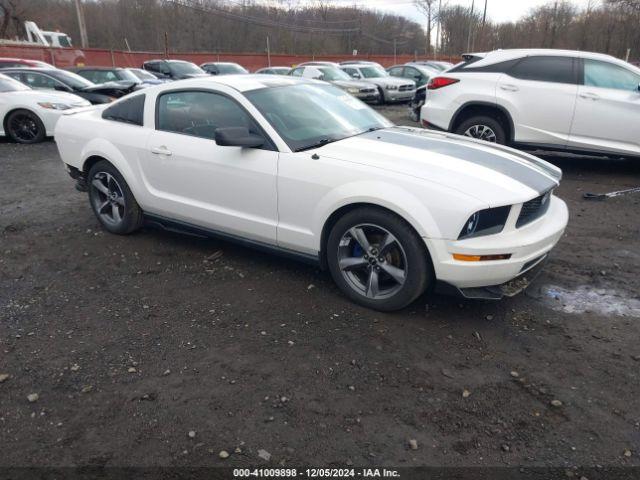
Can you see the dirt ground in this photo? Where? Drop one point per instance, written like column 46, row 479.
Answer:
column 131, row 343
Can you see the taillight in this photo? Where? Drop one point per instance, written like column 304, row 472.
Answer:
column 439, row 82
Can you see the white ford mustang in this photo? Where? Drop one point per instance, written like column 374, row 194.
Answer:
column 302, row 168
column 28, row 116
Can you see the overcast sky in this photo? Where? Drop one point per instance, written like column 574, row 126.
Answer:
column 497, row 10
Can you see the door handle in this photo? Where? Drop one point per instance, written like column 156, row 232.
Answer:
column 589, row 96
column 509, row 88
column 161, row 151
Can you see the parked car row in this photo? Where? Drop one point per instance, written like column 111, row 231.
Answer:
column 367, row 81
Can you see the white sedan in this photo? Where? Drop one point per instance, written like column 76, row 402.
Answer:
column 28, row 116
column 301, row 168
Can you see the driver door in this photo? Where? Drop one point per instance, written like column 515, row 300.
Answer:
column 196, row 181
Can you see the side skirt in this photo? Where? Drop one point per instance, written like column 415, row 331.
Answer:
column 189, row 229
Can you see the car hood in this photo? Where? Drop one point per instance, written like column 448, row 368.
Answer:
column 112, row 88
column 493, row 174
column 350, row 84
column 50, row 96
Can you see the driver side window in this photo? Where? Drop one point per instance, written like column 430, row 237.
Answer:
column 37, row 81
column 607, row 75
column 199, row 114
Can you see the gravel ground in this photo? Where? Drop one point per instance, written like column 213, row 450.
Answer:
column 118, row 347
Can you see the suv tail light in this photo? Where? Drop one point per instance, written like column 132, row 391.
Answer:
column 439, row 82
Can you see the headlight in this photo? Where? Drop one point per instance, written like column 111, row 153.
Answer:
column 55, row 106
column 353, row 90
column 485, row 222
column 391, row 87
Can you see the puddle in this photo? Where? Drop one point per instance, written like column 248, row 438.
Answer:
column 585, row 299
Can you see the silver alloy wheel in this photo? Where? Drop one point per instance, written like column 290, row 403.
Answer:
column 372, row 261
column 481, row 132
column 107, row 198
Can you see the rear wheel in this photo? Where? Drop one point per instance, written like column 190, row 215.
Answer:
column 483, row 128
column 112, row 200
column 24, row 126
column 377, row 259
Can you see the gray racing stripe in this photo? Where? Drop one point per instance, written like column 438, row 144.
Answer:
column 522, row 170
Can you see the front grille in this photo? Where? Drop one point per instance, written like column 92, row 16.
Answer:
column 406, row 88
column 534, row 209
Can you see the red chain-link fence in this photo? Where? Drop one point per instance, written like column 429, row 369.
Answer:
column 68, row 57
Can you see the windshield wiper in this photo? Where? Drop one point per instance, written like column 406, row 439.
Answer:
column 320, row 143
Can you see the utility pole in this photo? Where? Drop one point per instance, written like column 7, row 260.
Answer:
column 438, row 40
column 268, row 52
column 470, row 26
column 84, row 39
column 395, row 51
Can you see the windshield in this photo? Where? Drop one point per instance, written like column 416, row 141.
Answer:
column 143, row 74
column 309, row 115
column 330, row 74
column 72, row 79
column 373, row 72
column 10, row 85
column 128, row 75
column 229, row 68
column 185, row 68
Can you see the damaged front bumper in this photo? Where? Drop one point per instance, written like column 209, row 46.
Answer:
column 496, row 292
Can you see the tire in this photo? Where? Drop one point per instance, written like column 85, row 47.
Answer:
column 352, row 266
column 24, row 126
column 381, row 100
column 483, row 128
column 112, row 201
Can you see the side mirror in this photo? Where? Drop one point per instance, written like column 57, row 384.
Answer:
column 355, row 75
column 62, row 88
column 237, row 137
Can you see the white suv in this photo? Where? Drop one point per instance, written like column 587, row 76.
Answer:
column 556, row 99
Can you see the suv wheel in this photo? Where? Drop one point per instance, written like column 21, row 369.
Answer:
column 483, row 128
column 112, row 200
column 378, row 260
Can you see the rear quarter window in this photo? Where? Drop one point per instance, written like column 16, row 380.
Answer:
column 130, row 110
column 545, row 69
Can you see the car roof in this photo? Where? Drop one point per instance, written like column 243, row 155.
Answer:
column 166, row 60
column 78, row 69
column 220, row 63
column 488, row 58
column 245, row 82
column 48, row 71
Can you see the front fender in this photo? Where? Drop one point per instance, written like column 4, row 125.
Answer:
column 398, row 200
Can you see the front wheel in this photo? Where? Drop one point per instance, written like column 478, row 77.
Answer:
column 378, row 260
column 24, row 126
column 483, row 128
column 112, row 200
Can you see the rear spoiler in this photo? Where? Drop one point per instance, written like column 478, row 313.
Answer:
column 467, row 57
